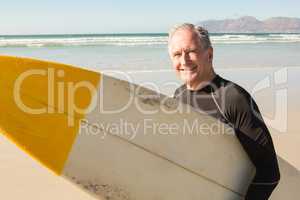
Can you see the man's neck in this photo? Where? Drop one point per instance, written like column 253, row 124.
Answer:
column 202, row 83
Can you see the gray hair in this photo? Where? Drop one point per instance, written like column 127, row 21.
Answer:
column 201, row 32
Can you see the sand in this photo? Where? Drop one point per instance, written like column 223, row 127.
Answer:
column 24, row 178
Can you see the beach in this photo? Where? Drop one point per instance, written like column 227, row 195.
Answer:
column 266, row 65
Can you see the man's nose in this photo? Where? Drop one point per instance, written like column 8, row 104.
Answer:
column 184, row 58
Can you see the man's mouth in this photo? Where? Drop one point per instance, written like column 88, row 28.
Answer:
column 188, row 68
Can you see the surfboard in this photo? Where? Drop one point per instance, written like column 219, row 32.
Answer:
column 117, row 140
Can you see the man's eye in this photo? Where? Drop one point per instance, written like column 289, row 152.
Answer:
column 176, row 54
column 192, row 52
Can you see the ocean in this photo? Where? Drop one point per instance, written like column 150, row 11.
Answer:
column 148, row 51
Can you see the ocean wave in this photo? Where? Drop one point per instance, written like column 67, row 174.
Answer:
column 254, row 39
column 82, row 41
column 120, row 40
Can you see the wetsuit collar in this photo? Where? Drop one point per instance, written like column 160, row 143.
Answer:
column 211, row 87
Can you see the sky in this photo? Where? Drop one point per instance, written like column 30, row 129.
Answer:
column 128, row 16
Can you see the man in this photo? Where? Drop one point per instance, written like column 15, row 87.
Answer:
column 192, row 55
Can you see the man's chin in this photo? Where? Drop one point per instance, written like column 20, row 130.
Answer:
column 188, row 78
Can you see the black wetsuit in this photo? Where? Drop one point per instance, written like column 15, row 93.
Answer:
column 233, row 105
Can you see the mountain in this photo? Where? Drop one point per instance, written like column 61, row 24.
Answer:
column 248, row 24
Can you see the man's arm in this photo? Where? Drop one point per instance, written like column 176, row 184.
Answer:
column 256, row 140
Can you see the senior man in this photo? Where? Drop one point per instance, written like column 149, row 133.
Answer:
column 191, row 53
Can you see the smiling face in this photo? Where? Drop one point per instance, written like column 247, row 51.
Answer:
column 192, row 63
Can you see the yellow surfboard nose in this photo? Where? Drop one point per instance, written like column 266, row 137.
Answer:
column 41, row 104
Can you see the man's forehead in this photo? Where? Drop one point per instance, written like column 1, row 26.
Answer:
column 183, row 34
column 183, row 38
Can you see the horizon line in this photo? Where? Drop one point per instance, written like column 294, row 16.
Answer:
column 135, row 33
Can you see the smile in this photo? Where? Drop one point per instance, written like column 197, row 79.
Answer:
column 188, row 68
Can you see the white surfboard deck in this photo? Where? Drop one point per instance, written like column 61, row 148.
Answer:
column 130, row 142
